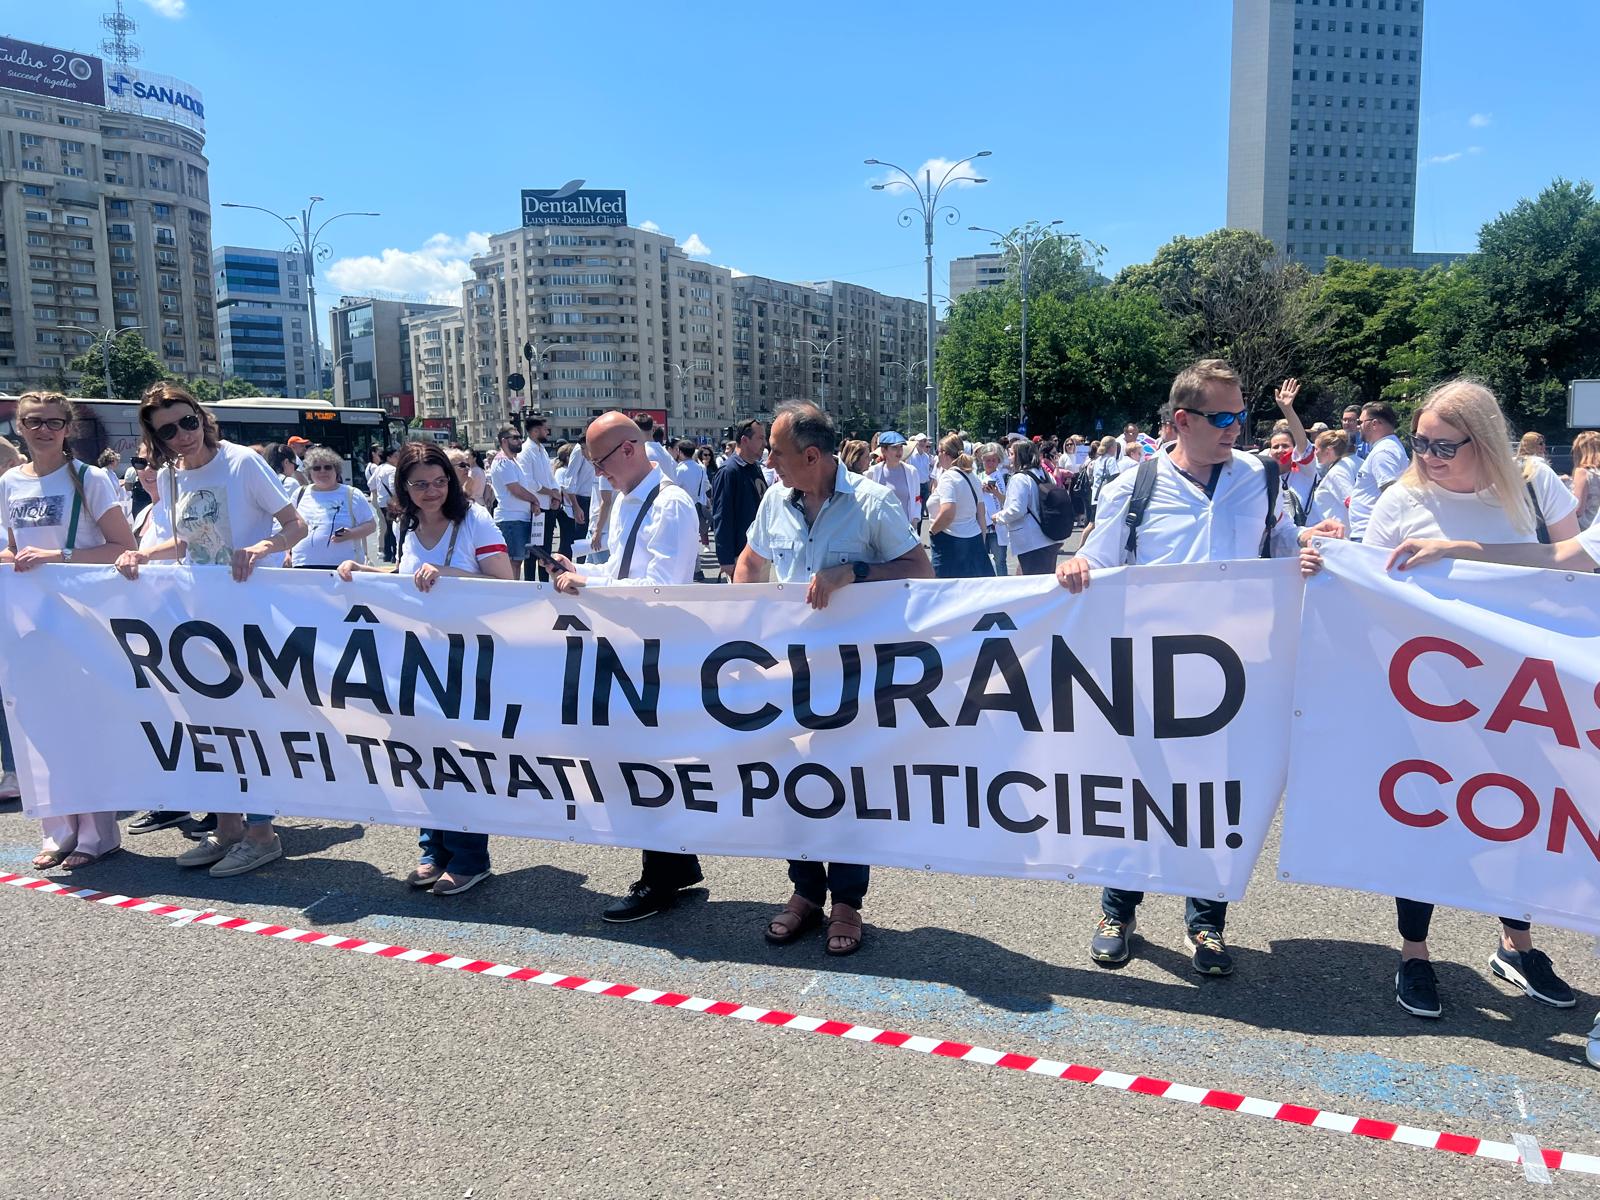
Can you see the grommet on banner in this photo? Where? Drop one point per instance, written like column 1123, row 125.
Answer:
column 1297, row 712
column 1283, row 874
column 1222, row 566
column 805, row 858
column 1570, row 578
column 1071, row 877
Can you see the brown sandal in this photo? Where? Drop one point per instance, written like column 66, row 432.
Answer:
column 798, row 918
column 844, row 927
column 47, row 860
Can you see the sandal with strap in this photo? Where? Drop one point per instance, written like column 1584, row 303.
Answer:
column 798, row 918
column 844, row 928
column 46, row 860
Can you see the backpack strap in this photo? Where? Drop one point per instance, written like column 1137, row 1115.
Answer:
column 77, row 502
column 1541, row 530
column 1274, row 481
column 1144, row 486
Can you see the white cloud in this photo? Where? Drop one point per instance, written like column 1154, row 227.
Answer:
column 1474, row 149
column 435, row 271
column 1445, row 158
column 1480, row 120
column 694, row 247
column 650, row 225
column 170, row 8
column 965, row 175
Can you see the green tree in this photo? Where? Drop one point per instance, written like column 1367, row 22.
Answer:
column 134, row 367
column 204, row 390
column 1233, row 296
column 234, row 388
column 1061, row 264
column 1539, row 319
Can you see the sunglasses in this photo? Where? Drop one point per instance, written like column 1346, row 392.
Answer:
column 139, row 464
column 1219, row 420
column 1439, row 449
column 323, row 467
column 55, row 424
column 170, row 430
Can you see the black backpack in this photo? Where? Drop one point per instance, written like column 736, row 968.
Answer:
column 1144, row 485
column 1054, row 514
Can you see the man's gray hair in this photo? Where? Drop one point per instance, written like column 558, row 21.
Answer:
column 809, row 426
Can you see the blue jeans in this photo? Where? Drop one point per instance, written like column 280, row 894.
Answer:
column 516, row 535
column 1197, row 914
column 998, row 554
column 454, row 851
column 814, row 880
column 959, row 557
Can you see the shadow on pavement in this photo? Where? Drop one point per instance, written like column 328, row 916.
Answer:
column 1314, row 987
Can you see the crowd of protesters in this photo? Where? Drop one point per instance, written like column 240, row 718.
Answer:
column 790, row 501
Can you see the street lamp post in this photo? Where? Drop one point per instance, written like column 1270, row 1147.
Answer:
column 105, row 337
column 822, row 350
column 929, row 208
column 906, row 372
column 533, row 357
column 311, row 248
column 1023, row 243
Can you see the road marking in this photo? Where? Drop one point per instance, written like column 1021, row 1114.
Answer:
column 1526, row 1151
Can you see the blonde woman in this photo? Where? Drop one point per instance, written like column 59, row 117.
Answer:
column 1586, row 476
column 57, row 510
column 1531, row 446
column 1463, row 483
column 10, row 456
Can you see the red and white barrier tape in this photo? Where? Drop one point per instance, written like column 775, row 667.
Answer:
column 1294, row 1114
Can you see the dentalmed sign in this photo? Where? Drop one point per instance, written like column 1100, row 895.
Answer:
column 559, row 206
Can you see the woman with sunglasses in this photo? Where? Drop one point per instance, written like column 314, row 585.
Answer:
column 1463, row 483
column 339, row 519
column 442, row 533
column 222, row 501
column 57, row 510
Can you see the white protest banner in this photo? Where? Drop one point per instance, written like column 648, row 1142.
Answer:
column 1132, row 735
column 1447, row 737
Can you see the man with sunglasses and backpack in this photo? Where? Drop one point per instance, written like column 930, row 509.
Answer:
column 1198, row 500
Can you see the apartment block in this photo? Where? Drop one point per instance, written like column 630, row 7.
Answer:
column 263, row 324
column 974, row 271
column 441, row 376
column 105, row 223
column 370, row 351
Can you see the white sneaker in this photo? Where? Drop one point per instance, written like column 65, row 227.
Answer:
column 1594, row 1043
column 9, row 788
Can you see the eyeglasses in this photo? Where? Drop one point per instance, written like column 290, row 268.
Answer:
column 418, row 486
column 170, row 430
column 323, row 467
column 54, row 424
column 140, row 464
column 1439, row 449
column 1219, row 420
column 601, row 461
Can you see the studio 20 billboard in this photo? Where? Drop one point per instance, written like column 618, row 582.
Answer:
column 574, row 205
column 47, row 71
column 148, row 94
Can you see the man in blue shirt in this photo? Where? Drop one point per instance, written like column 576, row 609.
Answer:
column 835, row 528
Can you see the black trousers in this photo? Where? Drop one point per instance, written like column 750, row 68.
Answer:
column 1414, row 918
column 662, row 868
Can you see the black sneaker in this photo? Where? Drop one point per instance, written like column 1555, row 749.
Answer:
column 1109, row 945
column 1211, row 955
column 197, row 830
column 149, row 822
column 1531, row 971
column 1415, row 988
column 645, row 900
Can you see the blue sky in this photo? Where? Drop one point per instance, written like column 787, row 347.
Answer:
column 744, row 125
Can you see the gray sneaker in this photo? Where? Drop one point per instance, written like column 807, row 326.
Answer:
column 1594, row 1043
column 203, row 854
column 245, row 855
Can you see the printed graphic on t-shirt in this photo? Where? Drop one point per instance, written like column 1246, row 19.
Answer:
column 37, row 512
column 203, row 523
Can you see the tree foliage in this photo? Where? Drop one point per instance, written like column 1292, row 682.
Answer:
column 134, row 367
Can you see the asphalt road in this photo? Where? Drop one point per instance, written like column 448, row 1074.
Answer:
column 143, row 1058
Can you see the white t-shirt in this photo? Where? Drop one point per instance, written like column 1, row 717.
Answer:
column 325, row 511
column 153, row 526
column 227, row 504
column 993, row 504
column 383, row 485
column 658, row 455
column 504, row 471
column 691, row 477
column 477, row 539
column 1384, row 463
column 1331, row 494
column 38, row 512
column 951, row 488
column 1431, row 512
column 534, row 460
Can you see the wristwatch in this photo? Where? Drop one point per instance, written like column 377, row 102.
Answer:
column 861, row 569
column 66, row 554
